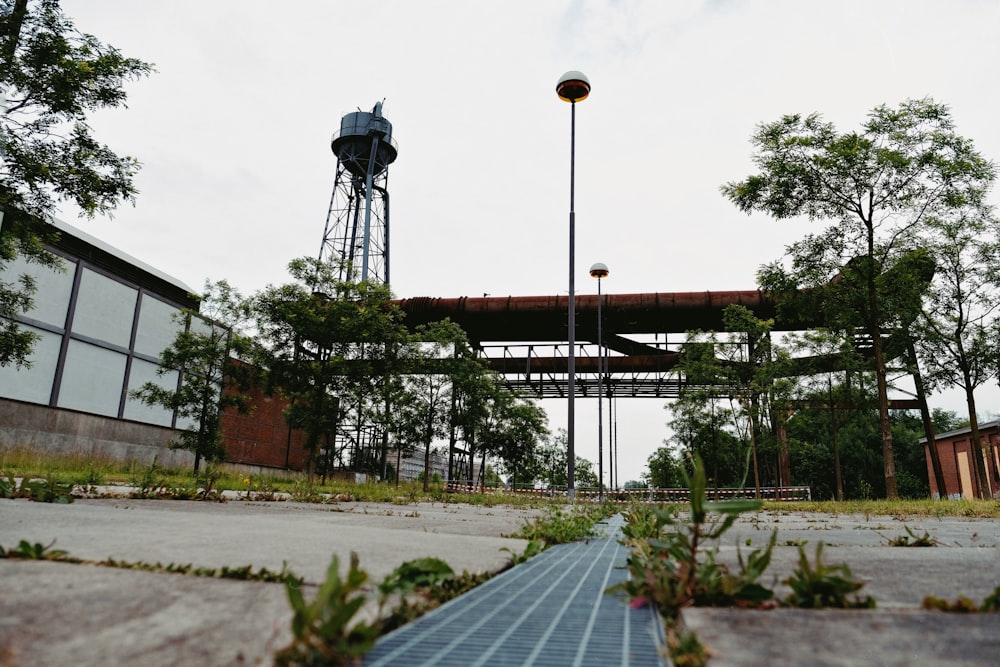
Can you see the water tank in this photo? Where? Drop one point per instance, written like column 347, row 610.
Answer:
column 352, row 144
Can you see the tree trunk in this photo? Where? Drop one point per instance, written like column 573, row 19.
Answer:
column 836, row 443
column 888, row 459
column 925, row 416
column 978, row 457
column 754, row 430
column 452, row 438
column 16, row 20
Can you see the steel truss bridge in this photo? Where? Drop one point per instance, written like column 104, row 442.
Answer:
column 524, row 337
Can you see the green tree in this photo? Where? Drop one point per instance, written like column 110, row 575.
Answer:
column 876, row 186
column 515, row 428
column 328, row 346
column 548, row 465
column 664, row 469
column 825, row 360
column 205, row 353
column 954, row 333
column 51, row 77
column 423, row 410
column 706, row 416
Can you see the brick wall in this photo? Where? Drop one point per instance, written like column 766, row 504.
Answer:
column 262, row 438
column 955, row 452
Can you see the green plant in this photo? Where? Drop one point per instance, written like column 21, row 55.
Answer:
column 48, row 490
column 961, row 605
column 414, row 574
column 325, row 631
column 303, row 491
column 206, row 480
column 911, row 539
column 534, row 548
column 560, row 525
column 90, row 477
column 991, row 603
column 674, row 570
column 819, row 586
column 34, row 551
column 641, row 522
column 148, row 483
column 685, row 650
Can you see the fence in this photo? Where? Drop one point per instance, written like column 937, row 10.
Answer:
column 592, row 494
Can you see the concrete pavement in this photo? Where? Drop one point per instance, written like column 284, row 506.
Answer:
column 58, row 614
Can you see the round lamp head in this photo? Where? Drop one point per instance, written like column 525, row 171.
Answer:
column 599, row 270
column 573, row 86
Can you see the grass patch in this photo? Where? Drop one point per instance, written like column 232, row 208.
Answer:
column 85, row 471
column 900, row 509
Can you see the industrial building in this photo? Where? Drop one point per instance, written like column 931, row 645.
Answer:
column 101, row 323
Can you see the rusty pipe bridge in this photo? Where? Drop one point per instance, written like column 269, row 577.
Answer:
column 523, row 338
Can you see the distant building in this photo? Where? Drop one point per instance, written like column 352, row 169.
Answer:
column 411, row 467
column 956, row 452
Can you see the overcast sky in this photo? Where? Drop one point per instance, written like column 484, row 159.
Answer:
column 233, row 133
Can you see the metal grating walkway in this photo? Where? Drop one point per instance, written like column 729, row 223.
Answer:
column 549, row 611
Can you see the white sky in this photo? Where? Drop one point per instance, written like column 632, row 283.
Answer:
column 233, row 133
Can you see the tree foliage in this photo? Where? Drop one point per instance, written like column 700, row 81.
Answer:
column 51, row 76
column 438, row 360
column 328, row 346
column 205, row 352
column 876, row 187
column 512, row 432
column 548, row 464
column 664, row 469
column 956, row 333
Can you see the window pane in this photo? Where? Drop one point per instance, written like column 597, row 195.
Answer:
column 104, row 309
column 52, row 288
column 33, row 384
column 141, row 373
column 157, row 326
column 92, row 379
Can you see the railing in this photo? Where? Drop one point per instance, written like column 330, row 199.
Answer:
column 678, row 495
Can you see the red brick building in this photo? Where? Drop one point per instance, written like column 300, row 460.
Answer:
column 955, row 451
column 263, row 438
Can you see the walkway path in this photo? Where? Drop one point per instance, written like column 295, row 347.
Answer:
column 551, row 610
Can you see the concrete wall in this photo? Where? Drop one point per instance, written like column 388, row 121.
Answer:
column 69, row 432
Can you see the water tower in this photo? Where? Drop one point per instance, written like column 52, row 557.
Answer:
column 357, row 225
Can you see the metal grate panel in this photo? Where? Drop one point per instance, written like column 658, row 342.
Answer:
column 551, row 610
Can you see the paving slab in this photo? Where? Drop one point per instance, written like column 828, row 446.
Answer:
column 966, row 562
column 57, row 613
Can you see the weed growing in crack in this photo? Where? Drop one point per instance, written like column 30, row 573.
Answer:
column 990, row 604
column 48, row 490
column 670, row 566
column 685, row 650
column 534, row 548
column 26, row 550
column 560, row 526
column 911, row 539
column 327, row 631
column 819, row 586
column 324, row 630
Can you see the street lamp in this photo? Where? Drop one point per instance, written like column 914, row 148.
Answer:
column 573, row 87
column 600, row 270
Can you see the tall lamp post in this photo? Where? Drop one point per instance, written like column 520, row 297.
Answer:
column 600, row 270
column 573, row 87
